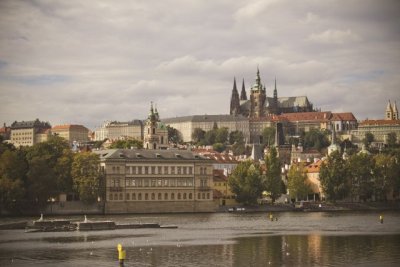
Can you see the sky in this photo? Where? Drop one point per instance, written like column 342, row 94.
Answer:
column 86, row 62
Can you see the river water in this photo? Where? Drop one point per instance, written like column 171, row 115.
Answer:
column 219, row 239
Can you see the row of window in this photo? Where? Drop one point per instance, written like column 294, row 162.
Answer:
column 157, row 182
column 158, row 170
column 159, row 196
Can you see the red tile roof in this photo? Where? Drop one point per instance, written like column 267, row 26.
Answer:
column 67, row 127
column 379, row 122
column 306, row 116
column 314, row 167
column 345, row 116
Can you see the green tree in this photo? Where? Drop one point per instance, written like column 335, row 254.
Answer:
column 360, row 167
column 316, row 139
column 210, row 136
column 236, row 137
column 268, row 136
column 385, row 173
column 198, row 135
column 86, row 176
column 368, row 139
column 239, row 149
column 221, row 135
column 246, row 182
column 126, row 144
column 219, row 147
column 298, row 186
column 392, row 139
column 13, row 170
column 173, row 135
column 333, row 177
column 273, row 174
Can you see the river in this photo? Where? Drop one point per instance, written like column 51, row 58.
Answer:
column 219, row 239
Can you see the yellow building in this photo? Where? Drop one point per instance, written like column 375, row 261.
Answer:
column 28, row 133
column 156, row 181
column 222, row 192
column 71, row 132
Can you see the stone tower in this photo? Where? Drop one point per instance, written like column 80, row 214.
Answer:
column 391, row 111
column 235, row 102
column 155, row 132
column 257, row 98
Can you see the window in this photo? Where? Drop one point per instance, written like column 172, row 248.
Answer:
column 153, row 170
column 165, row 182
column 184, row 195
column 159, row 196
column 154, row 130
column 153, row 182
column 159, row 169
column 203, row 195
column 133, row 196
column 146, row 196
column 153, row 196
column 121, row 196
column 159, row 182
column 146, row 170
column 111, row 197
column 133, row 182
column 179, row 170
column 165, row 196
column 134, row 169
column 172, row 170
column 165, row 169
column 208, row 195
column 140, row 196
column 127, row 196
column 198, row 196
column 139, row 169
column 127, row 182
column 190, row 196
column 172, row 196
column 184, row 170
column 146, row 182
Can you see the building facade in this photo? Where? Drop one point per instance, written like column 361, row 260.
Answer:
column 114, row 130
column 156, row 181
column 379, row 128
column 186, row 125
column 72, row 133
column 28, row 133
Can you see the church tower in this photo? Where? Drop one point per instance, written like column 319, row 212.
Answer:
column 389, row 111
column 243, row 95
column 235, row 102
column 257, row 98
column 155, row 132
column 395, row 115
column 275, row 107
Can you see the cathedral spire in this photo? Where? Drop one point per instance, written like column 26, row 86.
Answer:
column 243, row 95
column 395, row 111
column 235, row 102
column 389, row 111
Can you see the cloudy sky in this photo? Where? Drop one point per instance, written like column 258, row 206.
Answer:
column 85, row 62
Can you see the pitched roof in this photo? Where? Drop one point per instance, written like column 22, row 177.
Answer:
column 379, row 122
column 147, row 155
column 305, row 116
column 68, row 127
column 344, row 116
column 314, row 167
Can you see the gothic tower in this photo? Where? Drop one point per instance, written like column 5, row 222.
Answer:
column 395, row 111
column 235, row 102
column 243, row 95
column 257, row 98
column 275, row 107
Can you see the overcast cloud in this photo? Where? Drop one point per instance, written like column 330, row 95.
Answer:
column 85, row 62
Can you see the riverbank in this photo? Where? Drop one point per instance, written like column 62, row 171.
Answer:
column 315, row 207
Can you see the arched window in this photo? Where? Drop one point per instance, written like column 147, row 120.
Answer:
column 154, row 130
column 162, row 139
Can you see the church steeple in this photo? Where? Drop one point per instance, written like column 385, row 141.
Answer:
column 395, row 111
column 235, row 102
column 275, row 107
column 243, row 95
column 389, row 111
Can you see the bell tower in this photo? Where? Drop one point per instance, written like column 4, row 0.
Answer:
column 257, row 98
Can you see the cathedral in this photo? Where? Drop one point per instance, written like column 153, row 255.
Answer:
column 260, row 105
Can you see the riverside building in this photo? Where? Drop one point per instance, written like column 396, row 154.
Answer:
column 156, row 181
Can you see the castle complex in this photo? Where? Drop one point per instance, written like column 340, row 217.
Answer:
column 259, row 105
